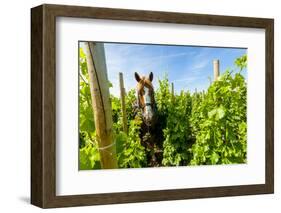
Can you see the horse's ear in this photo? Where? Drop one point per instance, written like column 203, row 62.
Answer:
column 137, row 77
column 150, row 76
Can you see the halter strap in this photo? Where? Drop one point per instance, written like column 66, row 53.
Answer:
column 146, row 104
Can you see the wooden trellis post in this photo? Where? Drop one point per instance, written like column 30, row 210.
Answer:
column 101, row 103
column 216, row 64
column 173, row 92
column 123, row 103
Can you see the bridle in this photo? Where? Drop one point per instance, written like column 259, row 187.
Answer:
column 146, row 104
column 143, row 105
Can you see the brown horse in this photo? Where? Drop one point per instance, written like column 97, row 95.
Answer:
column 151, row 135
column 145, row 98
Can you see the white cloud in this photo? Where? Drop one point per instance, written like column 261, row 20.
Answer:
column 201, row 64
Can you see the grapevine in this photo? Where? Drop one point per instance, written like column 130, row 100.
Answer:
column 200, row 128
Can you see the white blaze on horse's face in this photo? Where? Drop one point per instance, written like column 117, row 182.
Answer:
column 148, row 108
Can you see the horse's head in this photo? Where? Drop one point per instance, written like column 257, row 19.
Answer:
column 145, row 97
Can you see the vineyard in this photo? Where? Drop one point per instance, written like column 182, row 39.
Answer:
column 201, row 128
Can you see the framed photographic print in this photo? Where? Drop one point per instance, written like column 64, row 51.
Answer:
column 136, row 106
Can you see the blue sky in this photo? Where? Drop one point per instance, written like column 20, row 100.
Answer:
column 187, row 66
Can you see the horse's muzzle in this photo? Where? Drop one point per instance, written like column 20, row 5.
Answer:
column 148, row 117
